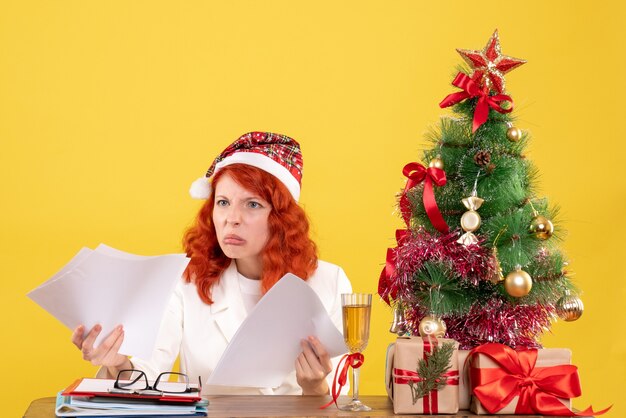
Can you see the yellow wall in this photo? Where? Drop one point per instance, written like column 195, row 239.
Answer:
column 109, row 109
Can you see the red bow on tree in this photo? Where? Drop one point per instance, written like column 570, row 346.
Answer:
column 417, row 173
column 538, row 388
column 386, row 287
column 472, row 89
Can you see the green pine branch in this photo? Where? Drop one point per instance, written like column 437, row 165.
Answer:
column 439, row 291
column 431, row 371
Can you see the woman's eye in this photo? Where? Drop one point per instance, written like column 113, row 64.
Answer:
column 221, row 202
column 254, row 205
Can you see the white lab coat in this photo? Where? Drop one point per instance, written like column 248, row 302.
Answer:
column 201, row 332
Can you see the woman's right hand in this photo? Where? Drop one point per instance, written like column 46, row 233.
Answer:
column 107, row 353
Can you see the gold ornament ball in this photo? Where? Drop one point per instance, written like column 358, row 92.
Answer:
column 436, row 162
column 569, row 308
column 470, row 221
column 431, row 325
column 541, row 227
column 514, row 134
column 518, row 283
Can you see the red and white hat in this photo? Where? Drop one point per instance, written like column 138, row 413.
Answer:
column 276, row 154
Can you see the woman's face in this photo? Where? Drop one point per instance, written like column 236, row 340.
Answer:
column 241, row 220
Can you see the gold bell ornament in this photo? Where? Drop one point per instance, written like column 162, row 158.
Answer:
column 569, row 307
column 497, row 276
column 518, row 283
column 432, row 325
column 398, row 326
column 513, row 134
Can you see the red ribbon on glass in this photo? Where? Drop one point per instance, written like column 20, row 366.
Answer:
column 386, row 287
column 404, row 377
column 538, row 388
column 417, row 173
column 354, row 360
column 471, row 89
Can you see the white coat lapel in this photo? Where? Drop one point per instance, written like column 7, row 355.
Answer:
column 227, row 308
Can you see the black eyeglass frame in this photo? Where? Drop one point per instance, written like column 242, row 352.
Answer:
column 152, row 390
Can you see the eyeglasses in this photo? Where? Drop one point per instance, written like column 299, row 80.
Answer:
column 139, row 384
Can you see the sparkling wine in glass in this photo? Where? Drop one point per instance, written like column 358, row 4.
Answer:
column 356, row 331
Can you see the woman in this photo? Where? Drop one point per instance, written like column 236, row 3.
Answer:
column 248, row 234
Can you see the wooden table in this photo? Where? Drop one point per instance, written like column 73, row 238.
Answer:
column 279, row 406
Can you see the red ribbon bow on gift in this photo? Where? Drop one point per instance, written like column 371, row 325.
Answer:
column 403, row 377
column 416, row 173
column 538, row 388
column 354, row 360
column 472, row 89
column 430, row 401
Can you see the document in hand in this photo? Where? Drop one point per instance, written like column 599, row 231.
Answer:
column 111, row 287
column 265, row 347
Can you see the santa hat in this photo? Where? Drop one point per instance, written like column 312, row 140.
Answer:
column 276, row 154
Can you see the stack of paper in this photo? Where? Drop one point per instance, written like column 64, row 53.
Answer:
column 110, row 287
column 93, row 397
column 72, row 406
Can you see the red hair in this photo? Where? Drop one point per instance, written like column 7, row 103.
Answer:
column 288, row 249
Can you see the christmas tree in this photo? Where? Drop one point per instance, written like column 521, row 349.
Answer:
column 479, row 260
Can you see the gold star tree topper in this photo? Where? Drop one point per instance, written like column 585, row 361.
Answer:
column 490, row 65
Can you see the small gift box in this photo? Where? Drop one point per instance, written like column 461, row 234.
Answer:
column 422, row 375
column 506, row 381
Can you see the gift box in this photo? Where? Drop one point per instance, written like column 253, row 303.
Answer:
column 465, row 392
column 505, row 381
column 405, row 385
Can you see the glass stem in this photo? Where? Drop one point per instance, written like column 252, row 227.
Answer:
column 355, row 384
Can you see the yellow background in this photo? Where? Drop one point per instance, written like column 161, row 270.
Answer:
column 109, row 109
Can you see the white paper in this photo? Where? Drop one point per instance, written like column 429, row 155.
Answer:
column 264, row 349
column 110, row 287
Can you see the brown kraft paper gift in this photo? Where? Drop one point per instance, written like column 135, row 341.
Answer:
column 402, row 359
column 546, row 357
column 465, row 392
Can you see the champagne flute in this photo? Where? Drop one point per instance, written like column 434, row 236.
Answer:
column 356, row 332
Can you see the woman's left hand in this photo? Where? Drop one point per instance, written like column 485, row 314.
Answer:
column 312, row 366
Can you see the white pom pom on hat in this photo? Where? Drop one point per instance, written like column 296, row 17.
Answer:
column 200, row 189
column 276, row 154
